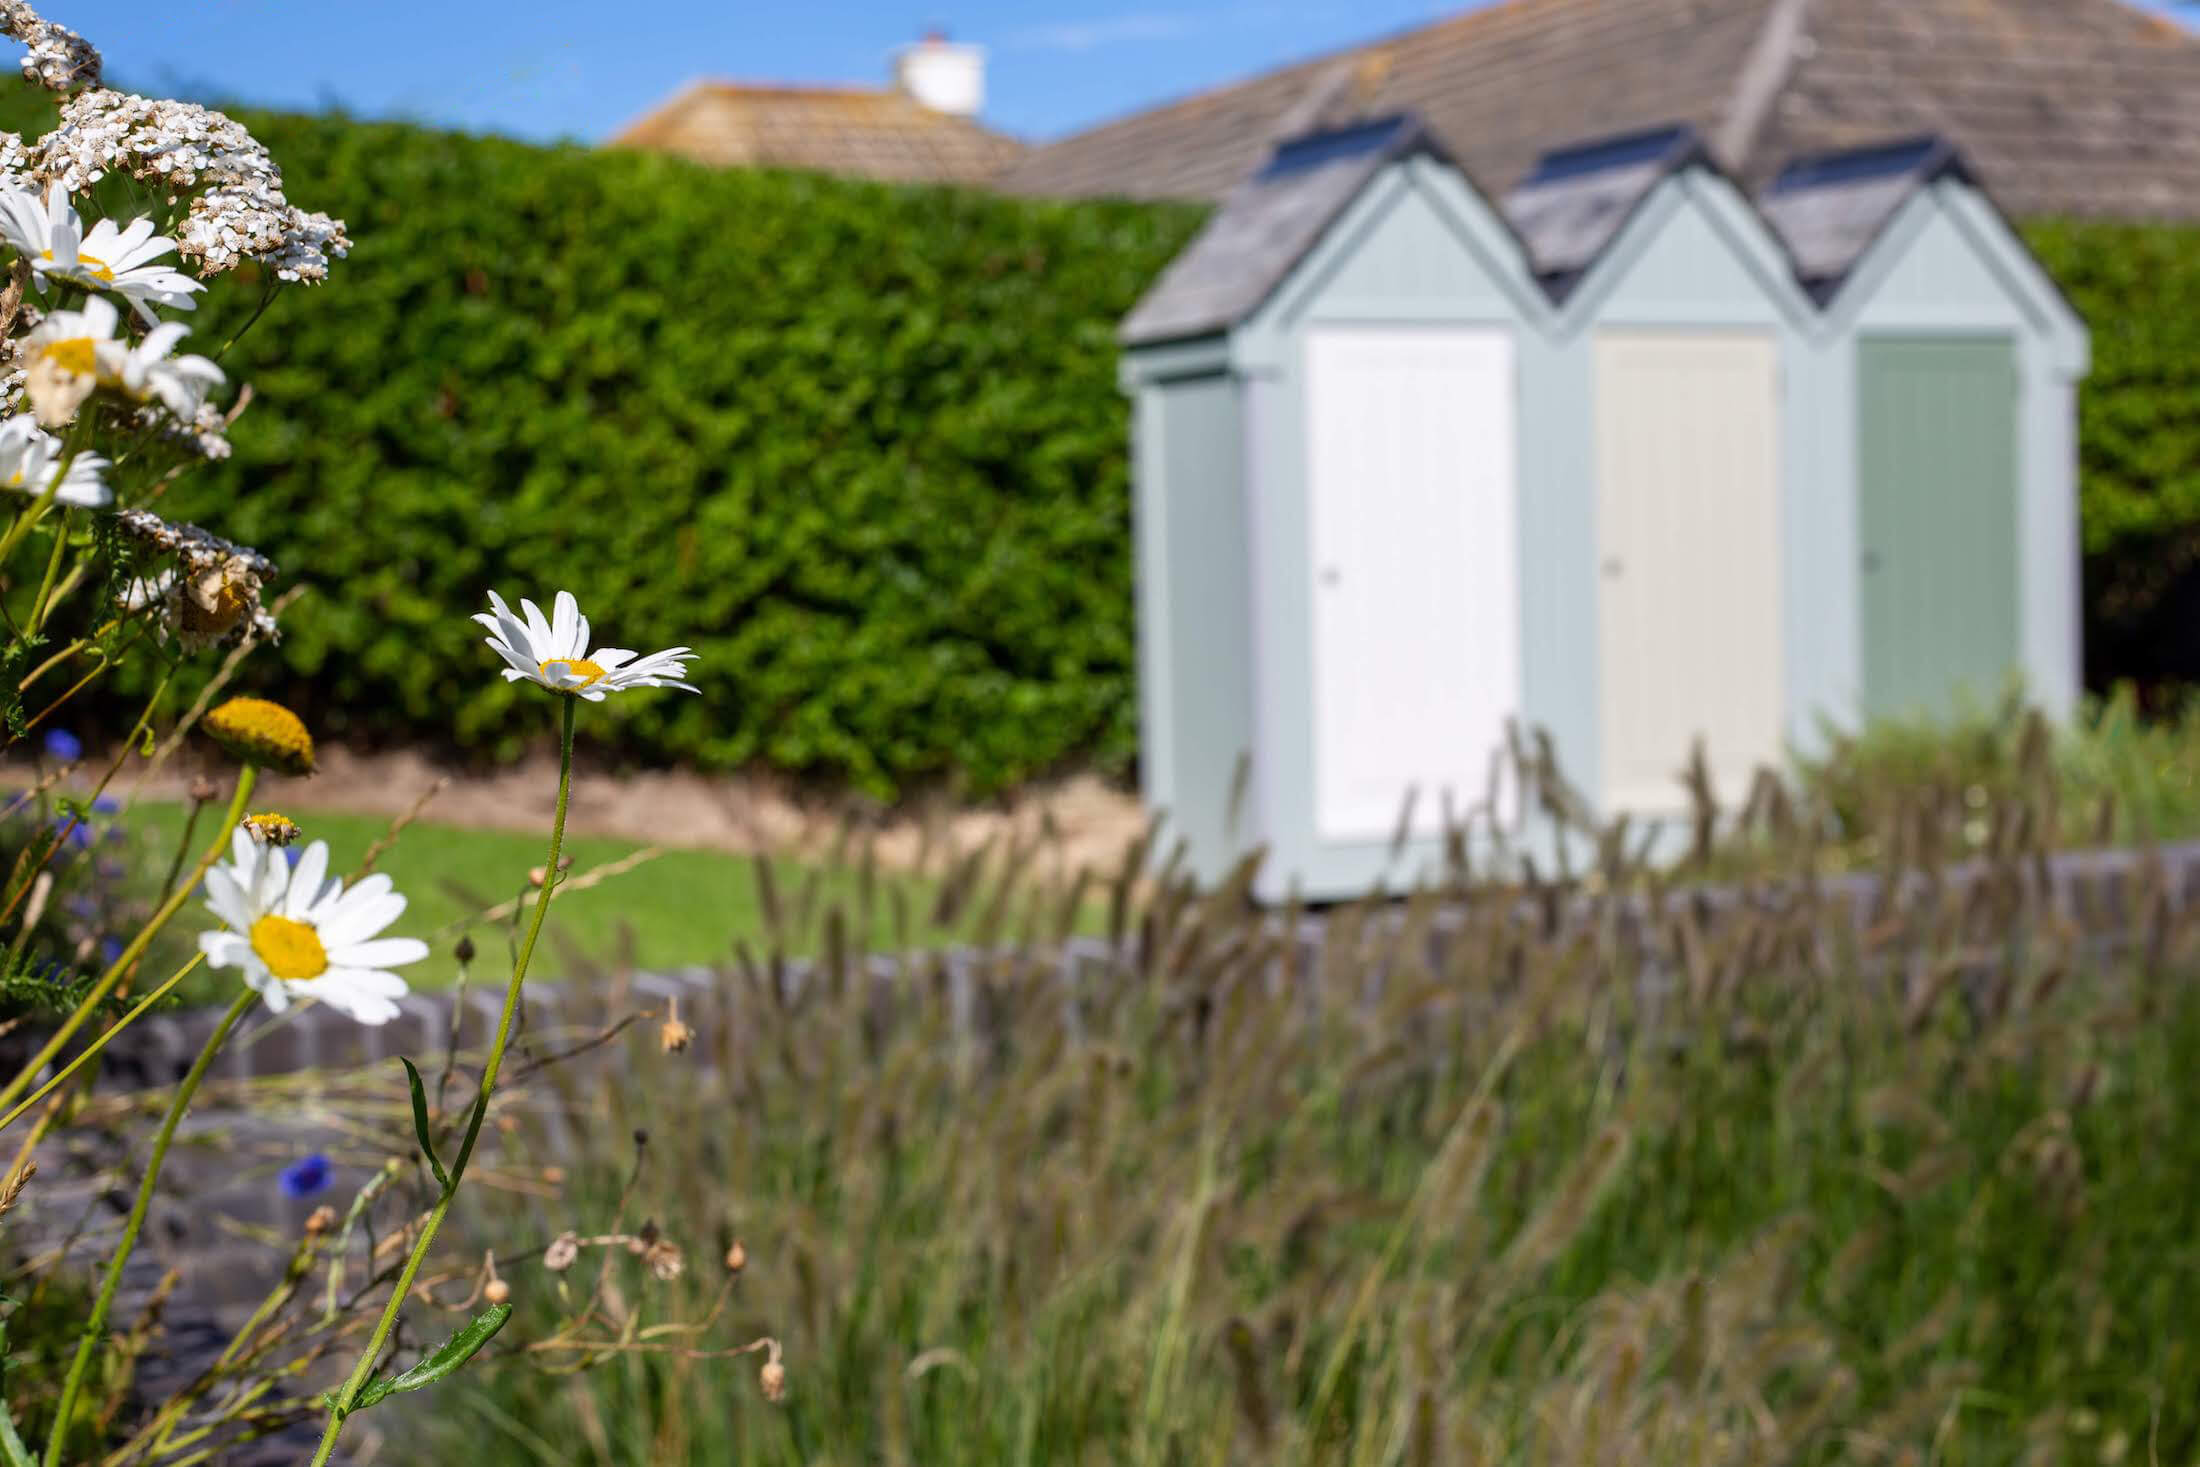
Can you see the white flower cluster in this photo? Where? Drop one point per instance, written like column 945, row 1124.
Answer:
column 240, row 212
column 58, row 58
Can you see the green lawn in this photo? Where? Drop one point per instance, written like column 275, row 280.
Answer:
column 682, row 906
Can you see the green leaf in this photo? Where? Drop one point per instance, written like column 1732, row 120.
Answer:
column 12, row 1451
column 454, row 1352
column 420, row 1123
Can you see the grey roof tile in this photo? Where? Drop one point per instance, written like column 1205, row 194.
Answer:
column 1578, row 198
column 1828, row 209
column 1266, row 227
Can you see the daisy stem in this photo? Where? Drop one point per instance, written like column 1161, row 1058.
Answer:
column 53, row 573
column 340, row 1407
column 96, row 1326
column 138, row 944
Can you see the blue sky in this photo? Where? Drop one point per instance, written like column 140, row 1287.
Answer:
column 580, row 68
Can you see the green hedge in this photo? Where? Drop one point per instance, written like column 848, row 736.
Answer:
column 862, row 447
column 2138, row 286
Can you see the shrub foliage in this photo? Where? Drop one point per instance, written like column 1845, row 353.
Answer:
column 860, row 446
column 2138, row 286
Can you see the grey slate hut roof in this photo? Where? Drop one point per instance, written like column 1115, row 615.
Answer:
column 1577, row 199
column 1828, row 209
column 1266, row 227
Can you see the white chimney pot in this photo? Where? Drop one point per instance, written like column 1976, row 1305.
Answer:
column 942, row 75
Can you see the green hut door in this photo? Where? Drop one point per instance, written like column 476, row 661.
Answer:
column 1937, row 464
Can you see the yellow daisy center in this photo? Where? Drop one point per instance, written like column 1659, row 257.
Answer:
column 76, row 355
column 291, row 949
column 580, row 667
column 91, row 265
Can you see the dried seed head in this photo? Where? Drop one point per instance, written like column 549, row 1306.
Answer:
column 12, row 1188
column 773, row 1378
column 271, row 829
column 737, row 1258
column 203, row 790
column 665, row 1260
column 496, row 1291
column 563, row 1249
column 260, row 732
column 464, row 951
column 673, row 1037
column 554, row 1175
column 323, row 1218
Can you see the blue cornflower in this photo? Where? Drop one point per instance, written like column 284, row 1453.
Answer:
column 62, row 746
column 78, row 833
column 110, row 950
column 307, row 1176
column 106, row 805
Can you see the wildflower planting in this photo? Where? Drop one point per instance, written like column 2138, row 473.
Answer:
column 1623, row 1168
column 123, row 214
column 1736, row 1160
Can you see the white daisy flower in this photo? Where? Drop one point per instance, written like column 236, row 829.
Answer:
column 29, row 456
column 146, row 370
column 298, row 932
column 554, row 652
column 52, row 238
column 62, row 359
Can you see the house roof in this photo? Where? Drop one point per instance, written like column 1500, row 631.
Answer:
column 1267, row 226
column 1577, row 199
column 2087, row 107
column 1828, row 209
column 865, row 133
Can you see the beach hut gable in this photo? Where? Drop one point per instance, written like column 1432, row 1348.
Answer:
column 1650, row 217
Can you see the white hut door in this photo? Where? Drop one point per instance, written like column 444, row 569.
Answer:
column 1688, row 539
column 1416, row 615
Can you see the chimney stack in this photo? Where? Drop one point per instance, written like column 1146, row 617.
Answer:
column 942, row 75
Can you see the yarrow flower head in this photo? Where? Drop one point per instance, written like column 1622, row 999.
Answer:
column 297, row 932
column 554, row 652
column 58, row 58
column 30, row 457
column 238, row 210
column 260, row 732
column 54, row 241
